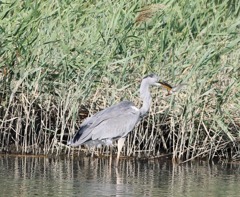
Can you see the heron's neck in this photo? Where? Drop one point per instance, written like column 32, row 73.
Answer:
column 146, row 98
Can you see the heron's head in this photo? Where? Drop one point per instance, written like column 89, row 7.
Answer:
column 151, row 79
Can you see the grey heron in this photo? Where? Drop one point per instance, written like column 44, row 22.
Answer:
column 115, row 122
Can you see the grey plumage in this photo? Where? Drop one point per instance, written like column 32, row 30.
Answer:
column 115, row 122
column 105, row 124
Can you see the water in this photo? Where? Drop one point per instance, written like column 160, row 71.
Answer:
column 39, row 176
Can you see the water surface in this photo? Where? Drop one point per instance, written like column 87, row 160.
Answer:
column 40, row 176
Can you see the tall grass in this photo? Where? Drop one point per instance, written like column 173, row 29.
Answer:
column 62, row 61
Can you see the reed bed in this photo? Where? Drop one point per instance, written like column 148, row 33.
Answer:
column 62, row 61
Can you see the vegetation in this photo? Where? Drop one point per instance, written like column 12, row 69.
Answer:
column 63, row 60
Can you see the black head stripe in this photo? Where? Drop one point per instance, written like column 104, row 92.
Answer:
column 151, row 75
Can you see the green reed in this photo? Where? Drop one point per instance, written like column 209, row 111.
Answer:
column 62, row 61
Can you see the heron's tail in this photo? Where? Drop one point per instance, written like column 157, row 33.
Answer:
column 76, row 140
column 70, row 142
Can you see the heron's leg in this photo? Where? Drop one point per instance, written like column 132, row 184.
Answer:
column 92, row 149
column 120, row 145
column 111, row 150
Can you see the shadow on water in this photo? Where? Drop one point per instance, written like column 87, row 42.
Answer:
column 41, row 176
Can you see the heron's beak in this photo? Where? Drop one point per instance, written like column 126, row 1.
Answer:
column 170, row 88
column 167, row 86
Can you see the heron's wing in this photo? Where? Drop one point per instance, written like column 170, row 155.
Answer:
column 116, row 126
column 99, row 125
